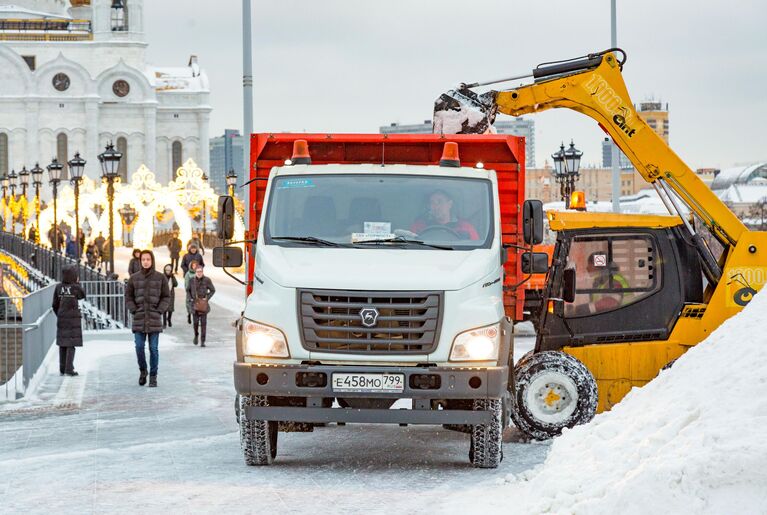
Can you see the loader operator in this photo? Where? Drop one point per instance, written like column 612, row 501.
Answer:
column 441, row 215
column 606, row 277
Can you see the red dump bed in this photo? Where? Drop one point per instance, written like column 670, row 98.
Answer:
column 502, row 153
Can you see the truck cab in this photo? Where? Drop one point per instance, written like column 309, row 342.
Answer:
column 374, row 285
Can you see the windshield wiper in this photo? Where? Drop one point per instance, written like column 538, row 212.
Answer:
column 309, row 239
column 402, row 239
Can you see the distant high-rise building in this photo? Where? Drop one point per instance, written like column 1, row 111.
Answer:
column 656, row 116
column 515, row 127
column 607, row 156
column 226, row 154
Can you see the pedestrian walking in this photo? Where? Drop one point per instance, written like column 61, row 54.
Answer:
column 147, row 297
column 71, row 247
column 200, row 290
column 100, row 241
column 187, row 278
column 172, row 285
column 91, row 255
column 197, row 242
column 191, row 255
column 69, row 332
column 135, row 262
column 33, row 234
column 174, row 247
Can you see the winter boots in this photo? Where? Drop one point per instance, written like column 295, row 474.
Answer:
column 196, row 340
column 142, row 378
column 152, row 381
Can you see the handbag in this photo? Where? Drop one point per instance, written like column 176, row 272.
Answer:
column 200, row 304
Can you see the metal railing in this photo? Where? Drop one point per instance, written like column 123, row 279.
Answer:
column 104, row 306
column 25, row 339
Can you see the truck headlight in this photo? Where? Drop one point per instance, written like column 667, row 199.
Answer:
column 480, row 344
column 263, row 341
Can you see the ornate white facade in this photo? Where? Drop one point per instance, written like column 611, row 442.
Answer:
column 73, row 76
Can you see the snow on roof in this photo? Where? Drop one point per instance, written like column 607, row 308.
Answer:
column 180, row 78
column 745, row 193
column 738, row 174
column 12, row 11
column 690, row 441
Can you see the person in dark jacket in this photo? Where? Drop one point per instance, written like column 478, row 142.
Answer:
column 172, row 285
column 33, row 234
column 192, row 255
column 71, row 247
column 135, row 262
column 69, row 332
column 174, row 247
column 147, row 297
column 200, row 287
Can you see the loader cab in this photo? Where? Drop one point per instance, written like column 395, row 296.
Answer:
column 616, row 279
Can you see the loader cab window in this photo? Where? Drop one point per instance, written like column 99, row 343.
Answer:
column 612, row 271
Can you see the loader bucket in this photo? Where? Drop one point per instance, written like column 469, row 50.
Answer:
column 464, row 112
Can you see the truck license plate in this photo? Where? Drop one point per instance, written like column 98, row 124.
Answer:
column 376, row 383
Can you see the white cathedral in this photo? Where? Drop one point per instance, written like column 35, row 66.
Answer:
column 74, row 76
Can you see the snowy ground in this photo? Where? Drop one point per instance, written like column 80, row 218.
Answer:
column 100, row 443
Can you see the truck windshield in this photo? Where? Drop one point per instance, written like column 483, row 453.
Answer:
column 379, row 211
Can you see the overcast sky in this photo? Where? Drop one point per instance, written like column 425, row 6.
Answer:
column 353, row 65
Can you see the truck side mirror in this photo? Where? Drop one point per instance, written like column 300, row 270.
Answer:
column 535, row 263
column 225, row 225
column 532, row 222
column 227, row 257
column 568, row 285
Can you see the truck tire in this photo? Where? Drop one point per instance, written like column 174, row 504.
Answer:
column 258, row 438
column 486, row 449
column 553, row 390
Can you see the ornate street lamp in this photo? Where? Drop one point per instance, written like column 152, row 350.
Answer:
column 567, row 163
column 204, row 212
column 24, row 180
column 12, row 179
column 110, row 163
column 76, row 167
column 128, row 214
column 231, row 182
column 37, row 181
column 54, row 177
column 4, row 181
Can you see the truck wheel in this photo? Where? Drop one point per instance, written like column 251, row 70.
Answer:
column 258, row 438
column 237, row 407
column 553, row 390
column 487, row 439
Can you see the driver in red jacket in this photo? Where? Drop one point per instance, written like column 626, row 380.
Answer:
column 441, row 215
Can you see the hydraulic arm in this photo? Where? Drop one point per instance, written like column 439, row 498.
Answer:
column 593, row 85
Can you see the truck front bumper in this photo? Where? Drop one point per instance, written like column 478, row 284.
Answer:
column 453, row 384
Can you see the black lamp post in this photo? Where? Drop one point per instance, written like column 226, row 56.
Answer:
column 54, row 176
column 231, row 182
column 24, row 180
column 37, row 181
column 76, row 167
column 204, row 211
column 128, row 214
column 4, row 184
column 110, row 162
column 12, row 179
column 567, row 163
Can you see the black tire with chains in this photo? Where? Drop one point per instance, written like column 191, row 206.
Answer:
column 487, row 439
column 525, row 372
column 258, row 438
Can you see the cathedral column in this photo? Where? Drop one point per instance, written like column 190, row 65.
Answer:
column 203, row 122
column 92, row 150
column 32, row 149
column 150, row 140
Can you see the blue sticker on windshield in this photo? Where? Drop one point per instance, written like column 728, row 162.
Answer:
column 295, row 183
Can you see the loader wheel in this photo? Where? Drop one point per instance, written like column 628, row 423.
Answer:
column 553, row 390
column 258, row 438
column 486, row 449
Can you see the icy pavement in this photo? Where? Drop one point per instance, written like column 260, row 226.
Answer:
column 118, row 447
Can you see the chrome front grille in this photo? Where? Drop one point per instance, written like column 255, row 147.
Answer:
column 407, row 323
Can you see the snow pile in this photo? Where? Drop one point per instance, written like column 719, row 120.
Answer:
column 691, row 441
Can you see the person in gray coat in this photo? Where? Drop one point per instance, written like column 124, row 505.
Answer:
column 200, row 290
column 147, row 297
column 69, row 332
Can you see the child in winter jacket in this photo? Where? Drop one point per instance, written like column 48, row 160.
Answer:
column 69, row 333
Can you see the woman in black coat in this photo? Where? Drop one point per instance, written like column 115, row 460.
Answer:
column 69, row 332
column 135, row 262
column 172, row 285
